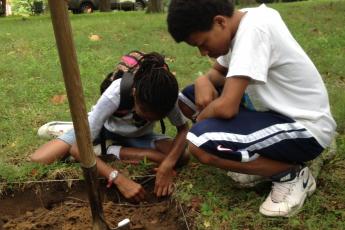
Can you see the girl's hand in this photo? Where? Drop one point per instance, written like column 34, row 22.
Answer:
column 164, row 181
column 129, row 188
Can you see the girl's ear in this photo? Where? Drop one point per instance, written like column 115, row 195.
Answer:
column 220, row 20
column 133, row 91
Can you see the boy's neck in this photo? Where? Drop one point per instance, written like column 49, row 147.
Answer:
column 235, row 21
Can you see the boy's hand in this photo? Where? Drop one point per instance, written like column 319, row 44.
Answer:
column 164, row 181
column 227, row 105
column 129, row 188
column 205, row 92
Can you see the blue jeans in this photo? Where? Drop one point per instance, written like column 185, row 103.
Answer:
column 146, row 141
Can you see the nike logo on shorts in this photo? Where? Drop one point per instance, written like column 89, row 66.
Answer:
column 222, row 149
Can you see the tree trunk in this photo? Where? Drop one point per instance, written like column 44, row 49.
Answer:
column 104, row 6
column 3, row 8
column 155, row 6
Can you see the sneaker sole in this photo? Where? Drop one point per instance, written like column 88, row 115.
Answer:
column 250, row 184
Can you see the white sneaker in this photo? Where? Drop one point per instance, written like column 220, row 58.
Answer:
column 54, row 129
column 287, row 198
column 245, row 180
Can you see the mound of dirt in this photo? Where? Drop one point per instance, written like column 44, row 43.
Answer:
column 71, row 215
column 56, row 206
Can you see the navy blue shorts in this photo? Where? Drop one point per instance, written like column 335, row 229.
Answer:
column 251, row 134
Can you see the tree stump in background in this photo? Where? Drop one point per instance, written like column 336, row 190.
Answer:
column 155, row 6
column 3, row 8
column 104, row 6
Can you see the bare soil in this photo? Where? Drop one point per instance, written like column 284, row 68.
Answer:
column 60, row 205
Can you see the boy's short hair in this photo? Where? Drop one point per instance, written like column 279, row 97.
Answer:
column 188, row 16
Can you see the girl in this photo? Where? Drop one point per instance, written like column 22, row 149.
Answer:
column 154, row 93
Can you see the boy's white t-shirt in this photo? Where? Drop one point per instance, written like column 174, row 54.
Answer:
column 283, row 78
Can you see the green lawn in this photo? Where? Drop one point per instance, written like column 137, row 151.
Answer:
column 31, row 77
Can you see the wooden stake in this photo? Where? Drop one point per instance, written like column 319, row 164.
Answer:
column 71, row 74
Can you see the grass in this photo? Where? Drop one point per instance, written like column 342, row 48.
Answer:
column 31, row 77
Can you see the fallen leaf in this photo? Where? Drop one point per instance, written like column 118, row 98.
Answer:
column 95, row 37
column 58, row 99
column 316, row 31
column 154, row 221
column 190, row 186
column 207, row 224
column 194, row 165
column 34, row 172
column 195, row 203
column 28, row 213
column 168, row 59
column 69, row 183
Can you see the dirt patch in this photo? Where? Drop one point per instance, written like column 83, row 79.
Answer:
column 61, row 205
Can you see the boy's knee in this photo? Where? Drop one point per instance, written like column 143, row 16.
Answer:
column 200, row 154
column 183, row 160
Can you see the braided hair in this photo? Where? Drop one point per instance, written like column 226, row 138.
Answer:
column 156, row 87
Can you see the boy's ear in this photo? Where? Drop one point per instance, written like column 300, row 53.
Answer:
column 220, row 20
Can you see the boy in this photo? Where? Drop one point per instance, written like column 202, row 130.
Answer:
column 285, row 119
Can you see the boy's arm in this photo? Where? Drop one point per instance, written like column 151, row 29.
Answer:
column 227, row 105
column 165, row 171
column 205, row 85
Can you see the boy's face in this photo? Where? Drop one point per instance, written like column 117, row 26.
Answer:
column 215, row 42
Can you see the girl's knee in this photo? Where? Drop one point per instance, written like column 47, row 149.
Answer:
column 50, row 152
column 74, row 151
column 39, row 156
column 35, row 157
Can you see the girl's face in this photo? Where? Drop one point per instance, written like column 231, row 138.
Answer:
column 143, row 112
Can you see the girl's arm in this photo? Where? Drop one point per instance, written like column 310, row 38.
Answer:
column 178, row 147
column 99, row 114
column 129, row 188
column 103, row 109
column 165, row 171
